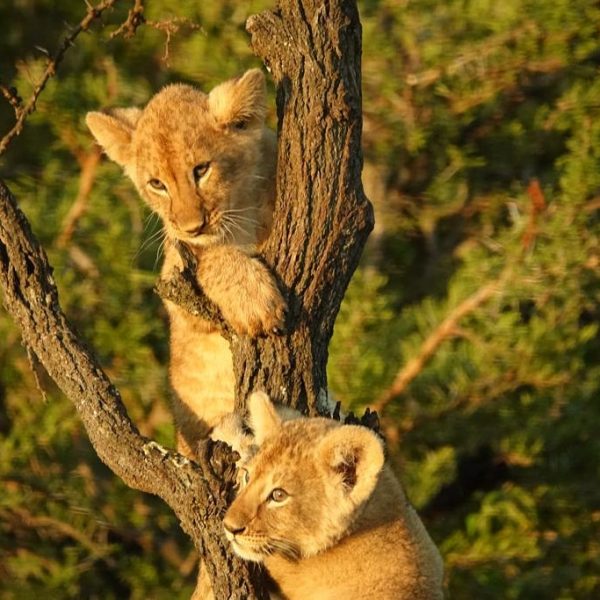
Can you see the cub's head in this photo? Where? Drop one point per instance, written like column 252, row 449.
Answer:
column 204, row 162
column 304, row 487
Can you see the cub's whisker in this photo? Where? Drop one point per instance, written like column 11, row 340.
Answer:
column 239, row 219
column 231, row 223
column 238, row 210
column 246, row 220
column 150, row 218
column 160, row 251
column 225, row 226
column 148, row 242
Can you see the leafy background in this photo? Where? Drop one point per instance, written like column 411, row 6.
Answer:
column 478, row 293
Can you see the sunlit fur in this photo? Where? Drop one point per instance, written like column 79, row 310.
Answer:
column 223, row 210
column 345, row 530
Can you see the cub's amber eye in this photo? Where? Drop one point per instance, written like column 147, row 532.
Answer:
column 157, row 184
column 201, row 170
column 240, row 125
column 278, row 495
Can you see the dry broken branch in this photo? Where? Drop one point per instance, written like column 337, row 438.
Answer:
column 434, row 340
column 170, row 27
column 89, row 168
column 135, row 18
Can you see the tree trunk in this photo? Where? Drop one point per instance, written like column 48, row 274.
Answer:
column 322, row 220
column 322, row 217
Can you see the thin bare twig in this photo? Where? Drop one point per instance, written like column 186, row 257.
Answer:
column 135, row 18
column 93, row 13
column 170, row 27
column 435, row 339
column 12, row 97
column 493, row 390
column 29, row 520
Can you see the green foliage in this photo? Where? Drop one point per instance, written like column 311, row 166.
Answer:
column 495, row 432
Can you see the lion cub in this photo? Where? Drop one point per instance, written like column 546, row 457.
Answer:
column 326, row 516
column 205, row 163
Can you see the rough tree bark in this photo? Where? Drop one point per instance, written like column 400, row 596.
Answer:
column 322, row 219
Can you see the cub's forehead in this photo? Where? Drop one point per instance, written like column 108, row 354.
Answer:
column 176, row 128
column 178, row 94
column 296, row 443
column 176, row 108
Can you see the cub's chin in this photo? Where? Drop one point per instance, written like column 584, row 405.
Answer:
column 204, row 239
column 246, row 553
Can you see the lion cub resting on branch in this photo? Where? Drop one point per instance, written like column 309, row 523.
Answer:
column 325, row 514
column 205, row 163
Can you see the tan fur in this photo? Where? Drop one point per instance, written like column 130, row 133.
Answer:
column 345, row 528
column 231, row 428
column 206, row 164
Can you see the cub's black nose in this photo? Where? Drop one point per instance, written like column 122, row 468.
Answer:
column 233, row 529
column 196, row 228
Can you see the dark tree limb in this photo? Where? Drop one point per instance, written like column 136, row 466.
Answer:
column 198, row 494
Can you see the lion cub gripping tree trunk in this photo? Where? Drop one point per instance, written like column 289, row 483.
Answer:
column 205, row 163
column 325, row 514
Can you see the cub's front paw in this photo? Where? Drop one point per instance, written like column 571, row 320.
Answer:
column 265, row 314
column 259, row 306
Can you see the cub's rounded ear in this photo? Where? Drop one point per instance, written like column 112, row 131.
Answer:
column 240, row 103
column 113, row 131
column 353, row 455
column 262, row 417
